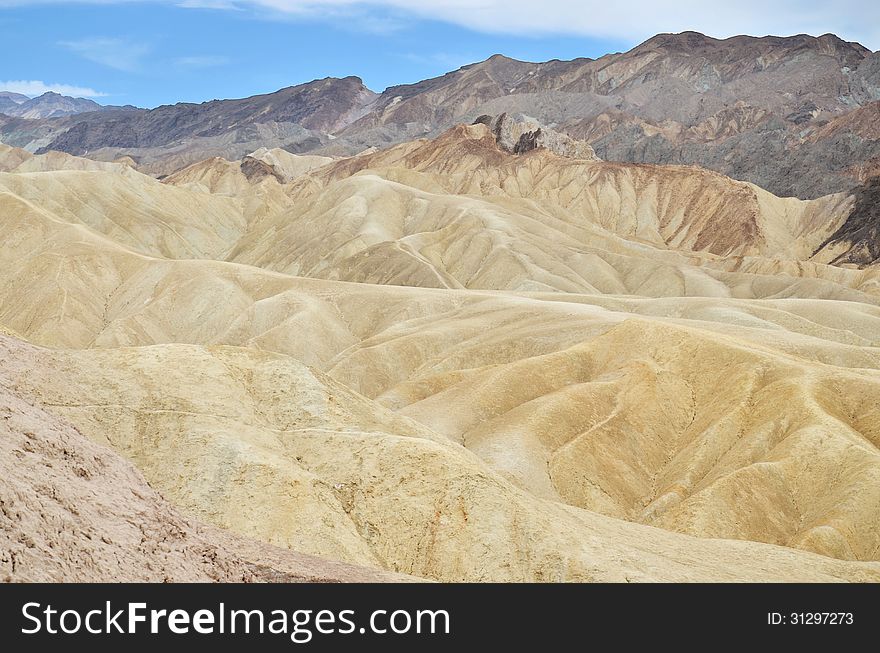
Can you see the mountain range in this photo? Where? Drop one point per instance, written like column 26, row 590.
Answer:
column 47, row 105
column 791, row 114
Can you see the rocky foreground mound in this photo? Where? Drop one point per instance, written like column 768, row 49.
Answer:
column 73, row 510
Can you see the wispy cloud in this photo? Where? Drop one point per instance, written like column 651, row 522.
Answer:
column 349, row 15
column 114, row 53
column 36, row 87
column 209, row 4
column 201, row 61
column 378, row 25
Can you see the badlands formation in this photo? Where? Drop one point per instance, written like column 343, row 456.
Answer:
column 485, row 356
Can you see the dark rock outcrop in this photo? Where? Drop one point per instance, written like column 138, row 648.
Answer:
column 521, row 135
column 861, row 231
column 256, row 170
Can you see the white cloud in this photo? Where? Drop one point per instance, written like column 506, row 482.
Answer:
column 201, row 61
column 111, row 52
column 35, row 87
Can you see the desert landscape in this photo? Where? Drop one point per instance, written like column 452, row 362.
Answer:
column 611, row 320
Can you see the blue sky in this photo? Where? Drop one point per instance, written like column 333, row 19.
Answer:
column 151, row 52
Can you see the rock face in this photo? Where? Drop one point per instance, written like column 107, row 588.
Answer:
column 256, row 170
column 866, row 80
column 522, row 135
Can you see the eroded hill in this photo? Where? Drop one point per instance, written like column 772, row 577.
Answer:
column 462, row 363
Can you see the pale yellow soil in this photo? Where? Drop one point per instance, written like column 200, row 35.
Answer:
column 452, row 362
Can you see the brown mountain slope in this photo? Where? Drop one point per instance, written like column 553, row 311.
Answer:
column 863, row 122
column 323, row 105
column 682, row 77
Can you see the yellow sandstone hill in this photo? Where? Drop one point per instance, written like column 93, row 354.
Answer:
column 450, row 361
column 259, row 444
